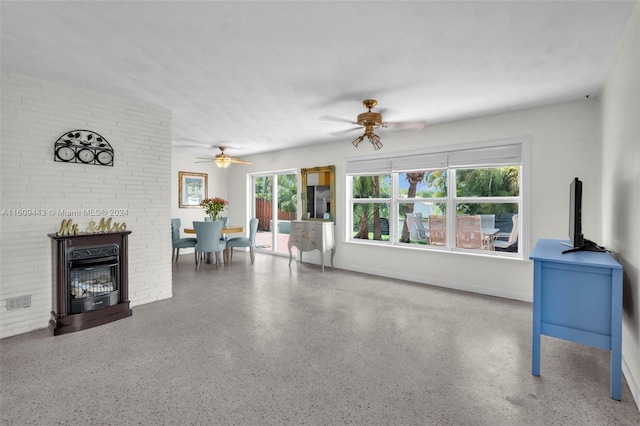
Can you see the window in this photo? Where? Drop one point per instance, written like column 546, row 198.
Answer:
column 406, row 200
column 371, row 207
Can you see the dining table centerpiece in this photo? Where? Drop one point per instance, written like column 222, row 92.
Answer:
column 214, row 206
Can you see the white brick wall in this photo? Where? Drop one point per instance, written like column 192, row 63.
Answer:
column 35, row 113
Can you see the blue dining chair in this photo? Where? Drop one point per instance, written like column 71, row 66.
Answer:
column 178, row 242
column 225, row 223
column 208, row 236
column 245, row 242
column 224, row 219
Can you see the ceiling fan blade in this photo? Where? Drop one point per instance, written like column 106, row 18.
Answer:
column 205, row 158
column 208, row 161
column 413, row 125
column 239, row 161
column 341, row 120
column 189, row 146
column 342, row 132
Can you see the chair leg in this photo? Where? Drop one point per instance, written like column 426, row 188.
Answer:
column 252, row 254
column 176, row 252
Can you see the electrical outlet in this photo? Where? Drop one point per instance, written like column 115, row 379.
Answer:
column 19, row 302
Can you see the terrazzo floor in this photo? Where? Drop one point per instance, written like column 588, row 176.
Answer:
column 266, row 344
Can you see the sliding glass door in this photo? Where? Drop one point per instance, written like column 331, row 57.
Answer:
column 275, row 213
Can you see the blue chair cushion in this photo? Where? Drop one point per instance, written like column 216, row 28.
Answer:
column 184, row 243
column 239, row 242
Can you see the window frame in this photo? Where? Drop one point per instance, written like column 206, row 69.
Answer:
column 357, row 166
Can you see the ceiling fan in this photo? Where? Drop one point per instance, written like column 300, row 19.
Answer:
column 223, row 160
column 370, row 120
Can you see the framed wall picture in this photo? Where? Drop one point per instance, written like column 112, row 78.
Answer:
column 192, row 189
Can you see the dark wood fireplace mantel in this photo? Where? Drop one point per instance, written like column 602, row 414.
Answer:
column 62, row 319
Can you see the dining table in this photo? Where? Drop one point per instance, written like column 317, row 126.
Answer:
column 231, row 229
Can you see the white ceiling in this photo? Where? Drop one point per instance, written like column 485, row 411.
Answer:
column 259, row 76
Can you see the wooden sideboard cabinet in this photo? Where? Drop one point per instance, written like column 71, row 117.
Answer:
column 578, row 297
column 308, row 235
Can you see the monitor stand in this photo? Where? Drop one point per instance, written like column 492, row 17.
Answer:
column 587, row 246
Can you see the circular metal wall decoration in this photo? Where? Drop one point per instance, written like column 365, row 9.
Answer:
column 83, row 147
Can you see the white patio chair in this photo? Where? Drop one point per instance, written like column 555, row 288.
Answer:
column 414, row 232
column 511, row 238
column 420, row 225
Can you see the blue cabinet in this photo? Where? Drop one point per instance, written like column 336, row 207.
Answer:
column 578, row 297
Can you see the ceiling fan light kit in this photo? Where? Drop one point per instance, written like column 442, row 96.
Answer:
column 373, row 138
column 223, row 160
column 370, row 120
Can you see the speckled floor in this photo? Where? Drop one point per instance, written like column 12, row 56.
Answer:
column 267, row 345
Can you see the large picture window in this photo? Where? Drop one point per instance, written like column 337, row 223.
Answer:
column 406, row 200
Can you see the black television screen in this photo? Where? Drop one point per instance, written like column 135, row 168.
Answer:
column 575, row 214
column 578, row 241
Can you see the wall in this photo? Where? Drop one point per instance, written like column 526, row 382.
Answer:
column 184, row 161
column 563, row 145
column 35, row 113
column 621, row 187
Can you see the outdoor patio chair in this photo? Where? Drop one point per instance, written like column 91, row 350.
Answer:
column 469, row 233
column 437, row 230
column 384, row 226
column 487, row 221
column 414, row 232
column 507, row 241
column 420, row 225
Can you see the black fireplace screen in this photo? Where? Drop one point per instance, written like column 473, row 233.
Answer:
column 93, row 275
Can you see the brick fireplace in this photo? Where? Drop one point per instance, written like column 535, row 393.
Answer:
column 90, row 280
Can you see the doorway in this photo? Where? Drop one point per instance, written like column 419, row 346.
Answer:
column 275, row 213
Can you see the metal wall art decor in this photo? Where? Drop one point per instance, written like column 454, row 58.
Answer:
column 84, row 147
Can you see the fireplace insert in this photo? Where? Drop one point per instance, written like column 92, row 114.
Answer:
column 93, row 278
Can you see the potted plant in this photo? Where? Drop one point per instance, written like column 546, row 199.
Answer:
column 214, row 206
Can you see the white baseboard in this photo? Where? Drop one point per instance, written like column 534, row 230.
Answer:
column 632, row 382
column 446, row 284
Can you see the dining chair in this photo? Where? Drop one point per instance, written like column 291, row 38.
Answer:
column 244, row 241
column 208, row 236
column 178, row 242
column 225, row 223
column 500, row 244
column 469, row 232
column 437, row 230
